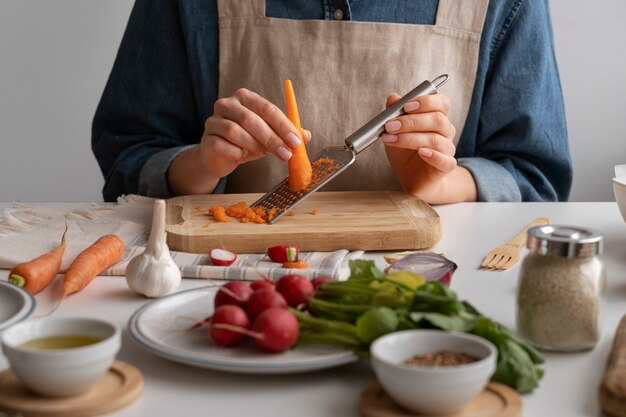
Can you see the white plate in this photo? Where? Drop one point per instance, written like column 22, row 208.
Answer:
column 16, row 304
column 158, row 327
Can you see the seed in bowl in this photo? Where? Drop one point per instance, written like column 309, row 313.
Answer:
column 441, row 358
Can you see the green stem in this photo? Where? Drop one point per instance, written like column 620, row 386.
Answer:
column 337, row 311
column 18, row 280
column 345, row 287
column 328, row 338
column 292, row 254
column 324, row 325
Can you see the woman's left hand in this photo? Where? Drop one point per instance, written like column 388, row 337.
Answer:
column 419, row 146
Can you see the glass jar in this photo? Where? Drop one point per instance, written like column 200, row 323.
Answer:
column 560, row 284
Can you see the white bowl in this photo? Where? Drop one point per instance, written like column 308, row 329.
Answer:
column 62, row 372
column 619, row 189
column 426, row 389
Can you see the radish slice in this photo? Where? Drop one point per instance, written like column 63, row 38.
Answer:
column 222, row 257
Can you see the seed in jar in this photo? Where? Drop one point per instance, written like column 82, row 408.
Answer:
column 442, row 358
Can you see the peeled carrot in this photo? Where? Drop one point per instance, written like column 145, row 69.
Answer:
column 102, row 254
column 300, row 170
column 38, row 273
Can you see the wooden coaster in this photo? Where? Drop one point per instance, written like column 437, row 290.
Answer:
column 497, row 400
column 118, row 388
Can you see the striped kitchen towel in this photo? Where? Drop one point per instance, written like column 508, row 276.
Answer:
column 250, row 267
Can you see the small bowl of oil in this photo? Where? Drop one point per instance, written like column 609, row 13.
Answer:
column 61, row 357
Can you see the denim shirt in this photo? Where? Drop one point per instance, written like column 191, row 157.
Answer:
column 164, row 83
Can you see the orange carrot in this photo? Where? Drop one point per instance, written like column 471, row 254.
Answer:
column 300, row 171
column 38, row 273
column 102, row 254
column 298, row 264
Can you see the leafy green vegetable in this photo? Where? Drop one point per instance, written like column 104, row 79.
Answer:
column 365, row 270
column 455, row 323
column 370, row 304
column 375, row 322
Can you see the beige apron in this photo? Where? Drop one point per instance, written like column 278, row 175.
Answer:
column 342, row 72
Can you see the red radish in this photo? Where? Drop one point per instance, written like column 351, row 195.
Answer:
column 320, row 280
column 263, row 283
column 296, row 289
column 234, row 292
column 231, row 315
column 276, row 329
column 279, row 253
column 222, row 257
column 263, row 299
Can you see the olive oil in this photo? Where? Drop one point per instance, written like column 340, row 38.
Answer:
column 57, row 342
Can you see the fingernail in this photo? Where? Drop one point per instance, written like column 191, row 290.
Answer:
column 283, row 153
column 393, row 126
column 425, row 152
column 387, row 138
column 411, row 106
column 293, row 140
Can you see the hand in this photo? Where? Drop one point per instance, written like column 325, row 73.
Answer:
column 419, row 146
column 244, row 127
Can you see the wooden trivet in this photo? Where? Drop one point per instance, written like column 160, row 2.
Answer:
column 118, row 388
column 496, row 400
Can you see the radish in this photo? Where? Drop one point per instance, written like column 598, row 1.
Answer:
column 230, row 315
column 275, row 330
column 279, row 253
column 263, row 283
column 222, row 257
column 320, row 280
column 263, row 299
column 296, row 289
column 234, row 292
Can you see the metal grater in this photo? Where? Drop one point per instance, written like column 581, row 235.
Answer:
column 335, row 159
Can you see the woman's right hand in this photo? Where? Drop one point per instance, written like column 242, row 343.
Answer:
column 243, row 127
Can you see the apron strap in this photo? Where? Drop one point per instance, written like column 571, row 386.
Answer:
column 232, row 9
column 466, row 15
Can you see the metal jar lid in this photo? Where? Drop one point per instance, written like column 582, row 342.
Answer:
column 566, row 241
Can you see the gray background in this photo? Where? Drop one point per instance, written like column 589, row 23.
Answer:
column 55, row 57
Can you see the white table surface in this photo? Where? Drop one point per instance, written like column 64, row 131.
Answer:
column 569, row 387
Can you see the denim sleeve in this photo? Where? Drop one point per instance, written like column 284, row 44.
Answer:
column 515, row 140
column 153, row 179
column 493, row 181
column 148, row 104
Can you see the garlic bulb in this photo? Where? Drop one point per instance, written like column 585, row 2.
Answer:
column 153, row 273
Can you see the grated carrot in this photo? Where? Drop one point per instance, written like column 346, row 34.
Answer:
column 219, row 214
column 242, row 212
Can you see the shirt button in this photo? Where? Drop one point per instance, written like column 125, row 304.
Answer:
column 338, row 14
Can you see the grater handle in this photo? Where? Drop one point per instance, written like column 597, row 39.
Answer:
column 370, row 132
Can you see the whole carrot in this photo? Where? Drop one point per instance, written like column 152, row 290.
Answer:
column 300, row 170
column 38, row 273
column 102, row 254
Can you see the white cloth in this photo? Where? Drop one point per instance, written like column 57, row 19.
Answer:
column 28, row 231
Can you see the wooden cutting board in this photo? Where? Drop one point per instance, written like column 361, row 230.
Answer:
column 354, row 220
